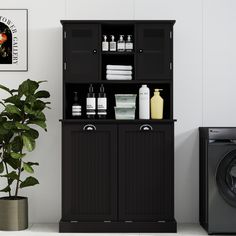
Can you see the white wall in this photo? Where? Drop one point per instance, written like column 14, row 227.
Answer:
column 204, row 75
column 45, row 53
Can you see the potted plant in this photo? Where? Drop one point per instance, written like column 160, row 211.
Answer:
column 22, row 114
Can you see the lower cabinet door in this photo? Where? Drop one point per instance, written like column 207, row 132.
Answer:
column 146, row 172
column 89, row 170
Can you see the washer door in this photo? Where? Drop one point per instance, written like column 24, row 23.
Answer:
column 226, row 178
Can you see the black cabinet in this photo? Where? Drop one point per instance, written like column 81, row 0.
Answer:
column 145, row 172
column 81, row 52
column 89, row 172
column 153, row 58
column 117, row 175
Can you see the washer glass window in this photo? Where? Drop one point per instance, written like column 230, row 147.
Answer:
column 226, row 178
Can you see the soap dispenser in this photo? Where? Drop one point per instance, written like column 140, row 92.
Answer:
column 121, row 44
column 102, row 103
column 105, row 45
column 129, row 44
column 157, row 104
column 91, row 103
column 112, row 44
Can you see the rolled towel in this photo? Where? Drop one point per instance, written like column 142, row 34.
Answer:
column 118, row 77
column 119, row 67
column 119, row 72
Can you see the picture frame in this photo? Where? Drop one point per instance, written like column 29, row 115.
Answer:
column 13, row 40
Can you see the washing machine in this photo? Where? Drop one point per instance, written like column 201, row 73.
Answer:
column 217, row 208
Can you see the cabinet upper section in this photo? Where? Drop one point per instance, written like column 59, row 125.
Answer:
column 144, row 46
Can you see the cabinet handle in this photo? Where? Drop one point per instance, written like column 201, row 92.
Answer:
column 146, row 127
column 89, row 127
column 94, row 51
column 140, row 50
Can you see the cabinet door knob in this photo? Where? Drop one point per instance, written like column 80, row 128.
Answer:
column 89, row 127
column 140, row 50
column 94, row 51
column 146, row 127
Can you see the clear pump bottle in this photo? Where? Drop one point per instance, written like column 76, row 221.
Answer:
column 112, row 44
column 121, row 44
column 105, row 44
column 129, row 44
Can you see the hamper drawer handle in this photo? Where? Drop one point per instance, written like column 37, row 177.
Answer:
column 89, row 127
column 146, row 127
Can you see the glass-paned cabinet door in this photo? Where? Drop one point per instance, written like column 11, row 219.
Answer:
column 154, row 50
column 81, row 52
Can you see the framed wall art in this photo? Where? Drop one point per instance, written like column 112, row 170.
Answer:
column 13, row 39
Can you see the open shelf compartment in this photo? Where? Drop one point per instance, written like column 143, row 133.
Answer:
column 117, row 29
column 111, row 90
column 118, row 59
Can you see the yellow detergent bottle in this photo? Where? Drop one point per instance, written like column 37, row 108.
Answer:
column 157, row 104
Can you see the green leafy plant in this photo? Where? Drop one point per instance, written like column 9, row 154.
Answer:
column 22, row 113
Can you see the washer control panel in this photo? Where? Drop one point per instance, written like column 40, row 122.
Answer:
column 222, row 133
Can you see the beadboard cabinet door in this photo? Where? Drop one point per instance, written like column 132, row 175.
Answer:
column 81, row 52
column 89, row 170
column 146, row 172
column 154, row 50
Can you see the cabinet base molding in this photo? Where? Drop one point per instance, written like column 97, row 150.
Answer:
column 119, row 227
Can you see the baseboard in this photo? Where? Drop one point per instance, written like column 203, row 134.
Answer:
column 119, row 227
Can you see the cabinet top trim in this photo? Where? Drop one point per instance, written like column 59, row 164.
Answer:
column 96, row 121
column 63, row 22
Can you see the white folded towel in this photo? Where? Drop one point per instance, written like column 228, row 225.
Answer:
column 119, row 77
column 119, row 67
column 119, row 72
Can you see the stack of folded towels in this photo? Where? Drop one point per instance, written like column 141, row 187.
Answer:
column 119, row 72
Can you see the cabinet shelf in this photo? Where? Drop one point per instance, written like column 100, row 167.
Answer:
column 117, row 53
column 133, row 81
column 116, row 121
